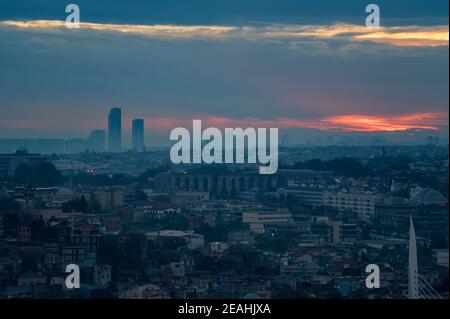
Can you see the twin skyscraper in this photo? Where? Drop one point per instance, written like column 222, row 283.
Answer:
column 115, row 132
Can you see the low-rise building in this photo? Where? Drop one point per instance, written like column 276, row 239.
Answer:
column 440, row 257
column 360, row 203
column 259, row 219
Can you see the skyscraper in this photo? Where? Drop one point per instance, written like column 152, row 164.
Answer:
column 97, row 141
column 115, row 130
column 138, row 135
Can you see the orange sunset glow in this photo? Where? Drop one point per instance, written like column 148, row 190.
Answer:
column 347, row 123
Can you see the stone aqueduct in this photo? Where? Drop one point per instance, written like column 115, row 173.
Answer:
column 216, row 183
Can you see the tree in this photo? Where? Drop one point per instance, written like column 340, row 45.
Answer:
column 152, row 172
column 76, row 205
column 103, row 180
column 140, row 196
column 9, row 205
column 161, row 198
column 43, row 174
column 109, row 250
column 346, row 166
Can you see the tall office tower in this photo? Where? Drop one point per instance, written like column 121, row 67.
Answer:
column 115, row 130
column 97, row 141
column 138, row 135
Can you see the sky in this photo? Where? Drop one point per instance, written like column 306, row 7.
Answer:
column 307, row 67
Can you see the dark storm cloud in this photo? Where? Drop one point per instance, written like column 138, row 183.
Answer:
column 231, row 11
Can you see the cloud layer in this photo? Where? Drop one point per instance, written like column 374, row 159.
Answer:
column 420, row 36
column 327, row 76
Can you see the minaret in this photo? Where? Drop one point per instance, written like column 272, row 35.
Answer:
column 413, row 283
